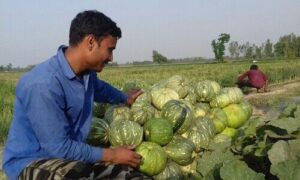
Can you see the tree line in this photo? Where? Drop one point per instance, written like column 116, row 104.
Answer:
column 288, row 46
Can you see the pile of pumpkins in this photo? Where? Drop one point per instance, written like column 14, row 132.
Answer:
column 171, row 123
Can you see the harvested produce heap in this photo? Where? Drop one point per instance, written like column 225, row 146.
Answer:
column 181, row 129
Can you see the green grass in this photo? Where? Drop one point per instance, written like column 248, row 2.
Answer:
column 224, row 73
column 7, row 91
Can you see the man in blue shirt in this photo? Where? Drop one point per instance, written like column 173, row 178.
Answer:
column 53, row 110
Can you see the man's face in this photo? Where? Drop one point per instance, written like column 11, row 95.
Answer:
column 101, row 53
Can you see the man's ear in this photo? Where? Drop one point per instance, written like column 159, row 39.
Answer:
column 90, row 41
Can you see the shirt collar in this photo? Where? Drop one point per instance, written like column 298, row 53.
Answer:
column 65, row 66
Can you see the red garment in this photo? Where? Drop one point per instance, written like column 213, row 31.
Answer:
column 256, row 78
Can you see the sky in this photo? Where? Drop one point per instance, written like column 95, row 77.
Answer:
column 32, row 30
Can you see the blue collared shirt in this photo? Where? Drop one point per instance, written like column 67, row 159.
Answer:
column 53, row 114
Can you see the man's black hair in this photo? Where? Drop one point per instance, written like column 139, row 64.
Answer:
column 253, row 67
column 92, row 22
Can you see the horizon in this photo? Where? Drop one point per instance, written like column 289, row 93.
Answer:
column 31, row 31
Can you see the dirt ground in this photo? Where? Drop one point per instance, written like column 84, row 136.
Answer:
column 277, row 93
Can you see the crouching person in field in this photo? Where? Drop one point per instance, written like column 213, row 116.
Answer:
column 53, row 111
column 253, row 78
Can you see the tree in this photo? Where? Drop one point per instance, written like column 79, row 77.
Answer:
column 158, row 58
column 9, row 67
column 234, row 49
column 268, row 49
column 219, row 46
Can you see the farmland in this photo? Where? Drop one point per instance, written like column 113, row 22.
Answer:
column 225, row 73
column 145, row 76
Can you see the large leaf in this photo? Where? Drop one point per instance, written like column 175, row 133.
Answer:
column 284, row 150
column 210, row 161
column 287, row 170
column 289, row 124
column 237, row 170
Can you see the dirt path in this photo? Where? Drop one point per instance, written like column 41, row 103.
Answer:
column 277, row 93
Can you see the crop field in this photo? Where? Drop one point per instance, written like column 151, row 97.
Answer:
column 225, row 74
column 145, row 76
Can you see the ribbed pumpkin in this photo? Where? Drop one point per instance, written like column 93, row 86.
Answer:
column 171, row 172
column 142, row 112
column 116, row 113
column 99, row 132
column 200, row 110
column 145, row 97
column 178, row 84
column 125, row 133
column 236, row 115
column 191, row 96
column 154, row 158
column 160, row 96
column 247, row 108
column 219, row 118
column 158, row 130
column 200, row 133
column 179, row 114
column 206, row 90
column 229, row 95
column 99, row 109
column 181, row 150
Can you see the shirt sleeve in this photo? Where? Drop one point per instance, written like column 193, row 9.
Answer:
column 241, row 77
column 105, row 93
column 44, row 107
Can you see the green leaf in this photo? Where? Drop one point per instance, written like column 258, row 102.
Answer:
column 289, row 124
column 287, row 170
column 210, row 161
column 271, row 115
column 289, row 110
column 253, row 124
column 297, row 112
column 237, row 170
column 284, row 150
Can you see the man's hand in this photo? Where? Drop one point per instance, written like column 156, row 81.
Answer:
column 122, row 155
column 132, row 95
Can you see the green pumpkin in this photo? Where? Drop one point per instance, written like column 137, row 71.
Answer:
column 219, row 118
column 229, row 95
column 125, row 133
column 179, row 114
column 142, row 112
column 206, row 90
column 200, row 110
column 117, row 112
column 236, row 115
column 99, row 109
column 144, row 98
column 191, row 96
column 178, row 84
column 98, row 134
column 160, row 96
column 154, row 158
column 171, row 172
column 190, row 171
column 200, row 133
column 158, row 130
column 181, row 150
column 230, row 132
column 247, row 108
